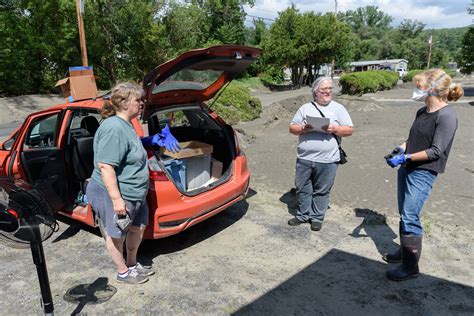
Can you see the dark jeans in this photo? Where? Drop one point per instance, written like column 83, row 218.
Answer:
column 313, row 182
column 414, row 187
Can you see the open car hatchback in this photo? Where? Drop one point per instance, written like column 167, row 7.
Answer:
column 52, row 149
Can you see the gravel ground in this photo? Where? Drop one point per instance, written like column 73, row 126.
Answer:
column 247, row 260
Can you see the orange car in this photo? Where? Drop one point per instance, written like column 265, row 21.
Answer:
column 52, row 149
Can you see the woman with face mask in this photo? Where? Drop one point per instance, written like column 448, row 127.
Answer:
column 421, row 158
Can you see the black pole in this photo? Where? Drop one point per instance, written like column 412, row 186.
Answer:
column 40, row 262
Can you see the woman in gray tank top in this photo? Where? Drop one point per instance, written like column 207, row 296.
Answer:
column 421, row 158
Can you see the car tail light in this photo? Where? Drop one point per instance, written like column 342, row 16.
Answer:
column 156, row 174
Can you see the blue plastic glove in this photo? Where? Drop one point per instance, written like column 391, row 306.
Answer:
column 156, row 140
column 169, row 141
column 396, row 151
column 398, row 160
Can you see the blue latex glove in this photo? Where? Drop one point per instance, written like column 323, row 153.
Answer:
column 396, row 151
column 156, row 140
column 169, row 141
column 398, row 160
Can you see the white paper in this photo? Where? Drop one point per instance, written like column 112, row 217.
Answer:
column 317, row 122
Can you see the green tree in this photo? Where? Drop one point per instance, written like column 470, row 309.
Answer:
column 321, row 38
column 281, row 45
column 467, row 49
column 303, row 42
column 367, row 22
column 187, row 27
column 124, row 39
column 35, row 39
column 409, row 28
column 226, row 19
column 257, row 32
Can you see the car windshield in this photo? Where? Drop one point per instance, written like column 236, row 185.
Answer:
column 188, row 79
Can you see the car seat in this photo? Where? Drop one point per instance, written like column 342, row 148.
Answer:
column 83, row 154
column 90, row 124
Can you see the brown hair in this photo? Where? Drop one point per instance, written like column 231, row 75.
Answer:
column 440, row 81
column 120, row 96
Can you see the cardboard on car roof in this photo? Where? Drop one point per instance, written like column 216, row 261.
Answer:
column 80, row 84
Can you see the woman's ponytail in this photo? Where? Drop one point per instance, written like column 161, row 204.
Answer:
column 107, row 109
column 455, row 93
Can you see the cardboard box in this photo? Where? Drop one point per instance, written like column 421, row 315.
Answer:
column 79, row 85
column 216, row 169
column 189, row 149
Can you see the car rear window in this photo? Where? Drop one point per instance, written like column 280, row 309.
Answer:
column 188, row 79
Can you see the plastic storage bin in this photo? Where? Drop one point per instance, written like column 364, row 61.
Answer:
column 198, row 171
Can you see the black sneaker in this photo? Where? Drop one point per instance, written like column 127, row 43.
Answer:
column 316, row 226
column 294, row 222
column 133, row 277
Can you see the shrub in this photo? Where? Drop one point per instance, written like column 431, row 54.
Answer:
column 412, row 73
column 236, row 104
column 452, row 73
column 368, row 81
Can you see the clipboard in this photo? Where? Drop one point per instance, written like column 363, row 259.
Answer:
column 317, row 122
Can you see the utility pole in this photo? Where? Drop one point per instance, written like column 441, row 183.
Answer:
column 335, row 19
column 82, row 35
column 430, row 43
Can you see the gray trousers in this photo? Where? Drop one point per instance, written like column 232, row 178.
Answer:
column 313, row 181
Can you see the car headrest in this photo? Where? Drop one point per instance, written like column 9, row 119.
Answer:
column 90, row 124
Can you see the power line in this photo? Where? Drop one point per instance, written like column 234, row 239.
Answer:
column 260, row 17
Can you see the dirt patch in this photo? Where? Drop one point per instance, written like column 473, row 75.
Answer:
column 15, row 109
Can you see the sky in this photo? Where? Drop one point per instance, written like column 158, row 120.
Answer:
column 435, row 14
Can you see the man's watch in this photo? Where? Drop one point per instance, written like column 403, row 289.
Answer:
column 408, row 157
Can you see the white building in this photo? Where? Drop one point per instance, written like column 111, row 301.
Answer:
column 391, row 64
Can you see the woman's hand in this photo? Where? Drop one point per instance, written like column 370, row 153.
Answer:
column 120, row 208
column 306, row 128
column 331, row 129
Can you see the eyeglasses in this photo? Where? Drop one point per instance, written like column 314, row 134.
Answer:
column 327, row 89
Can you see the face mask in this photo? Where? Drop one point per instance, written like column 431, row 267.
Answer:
column 419, row 95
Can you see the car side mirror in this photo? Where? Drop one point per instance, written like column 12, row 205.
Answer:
column 7, row 145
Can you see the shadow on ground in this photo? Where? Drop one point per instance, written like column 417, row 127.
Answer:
column 342, row 283
column 289, row 198
column 97, row 292
column 74, row 228
column 375, row 226
column 195, row 234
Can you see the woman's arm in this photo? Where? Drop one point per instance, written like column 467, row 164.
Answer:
column 297, row 129
column 109, row 177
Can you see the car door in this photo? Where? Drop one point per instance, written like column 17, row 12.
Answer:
column 40, row 160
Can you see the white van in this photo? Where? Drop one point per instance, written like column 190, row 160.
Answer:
column 401, row 72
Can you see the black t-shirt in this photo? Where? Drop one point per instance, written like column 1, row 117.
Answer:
column 433, row 133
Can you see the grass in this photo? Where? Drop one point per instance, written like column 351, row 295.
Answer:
column 253, row 83
column 427, row 223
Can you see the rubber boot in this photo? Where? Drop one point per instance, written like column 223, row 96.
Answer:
column 411, row 252
column 395, row 257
